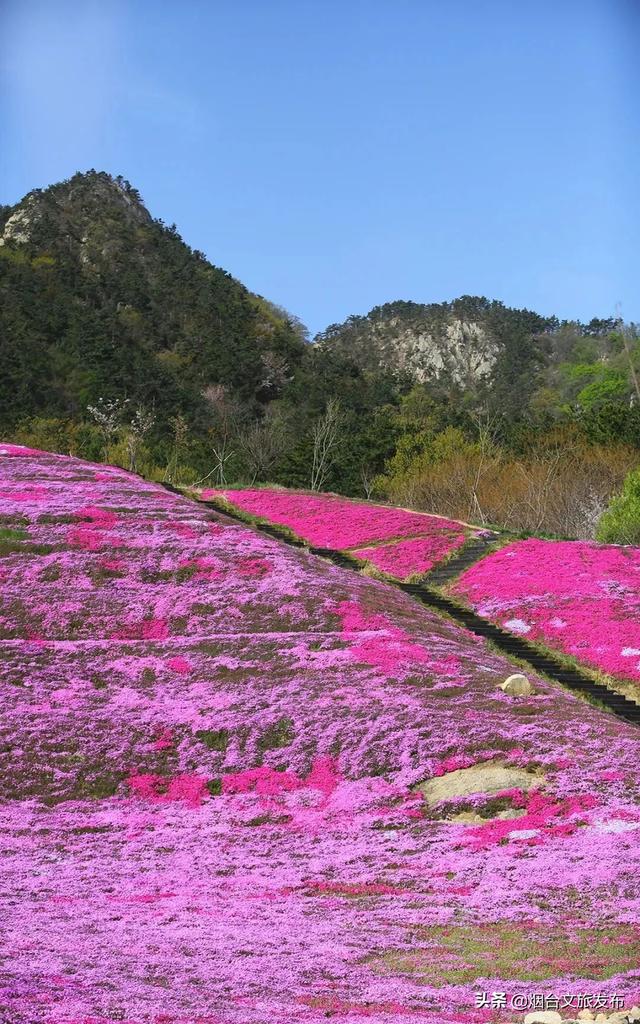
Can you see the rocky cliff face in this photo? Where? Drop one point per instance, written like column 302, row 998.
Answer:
column 463, row 349
column 462, row 341
column 74, row 209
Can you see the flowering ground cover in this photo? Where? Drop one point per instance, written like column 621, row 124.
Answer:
column 578, row 597
column 375, row 533
column 415, row 557
column 240, row 785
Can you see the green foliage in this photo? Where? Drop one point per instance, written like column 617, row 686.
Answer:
column 611, row 422
column 103, row 301
column 620, row 524
column 214, row 739
column 59, row 435
column 416, row 453
column 609, row 386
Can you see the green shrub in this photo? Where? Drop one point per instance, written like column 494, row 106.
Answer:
column 620, row 524
column 51, row 434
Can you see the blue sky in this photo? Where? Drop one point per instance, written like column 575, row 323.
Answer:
column 337, row 155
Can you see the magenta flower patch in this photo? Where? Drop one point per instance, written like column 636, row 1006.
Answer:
column 581, row 598
column 332, row 522
column 213, row 751
column 406, row 558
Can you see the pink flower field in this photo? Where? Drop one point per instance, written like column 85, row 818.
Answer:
column 580, row 598
column 240, row 785
column 407, row 558
column 343, row 525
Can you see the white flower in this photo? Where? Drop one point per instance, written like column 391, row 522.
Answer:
column 617, row 826
column 517, row 626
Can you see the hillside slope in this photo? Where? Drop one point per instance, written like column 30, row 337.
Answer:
column 241, row 785
column 468, row 342
column 100, row 300
column 395, row 540
column 577, row 597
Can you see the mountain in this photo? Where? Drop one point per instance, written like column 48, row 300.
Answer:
column 118, row 341
column 100, row 300
column 468, row 342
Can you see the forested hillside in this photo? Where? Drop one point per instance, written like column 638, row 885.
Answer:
column 120, row 342
column 493, row 354
column 101, row 301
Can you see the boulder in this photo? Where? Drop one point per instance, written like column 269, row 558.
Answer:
column 543, row 1017
column 486, row 777
column 517, row 685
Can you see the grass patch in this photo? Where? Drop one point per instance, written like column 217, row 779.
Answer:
column 459, row 955
column 15, row 540
column 16, row 520
column 147, row 677
column 50, row 519
column 12, row 533
column 280, row 734
column 214, row 739
column 181, row 575
column 268, row 819
column 51, row 573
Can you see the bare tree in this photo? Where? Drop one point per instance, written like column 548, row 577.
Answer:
column 487, row 428
column 560, row 488
column 539, row 485
column 225, row 410
column 139, row 428
column 180, row 434
column 262, row 445
column 628, row 335
column 108, row 413
column 275, row 371
column 326, row 438
column 367, row 479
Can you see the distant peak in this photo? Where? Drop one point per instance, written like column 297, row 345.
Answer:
column 74, row 205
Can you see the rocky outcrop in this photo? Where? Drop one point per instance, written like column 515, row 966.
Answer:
column 459, row 342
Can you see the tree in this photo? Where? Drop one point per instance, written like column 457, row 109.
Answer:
column 107, row 413
column 225, row 412
column 139, row 428
column 368, row 480
column 262, row 444
column 179, row 438
column 629, row 336
column 487, row 426
column 326, row 438
column 620, row 524
column 275, row 372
